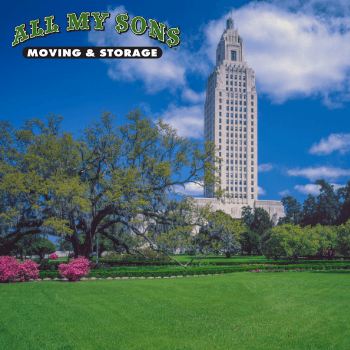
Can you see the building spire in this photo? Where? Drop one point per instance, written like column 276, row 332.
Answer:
column 229, row 23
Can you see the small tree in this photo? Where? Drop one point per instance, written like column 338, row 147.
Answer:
column 222, row 233
column 292, row 240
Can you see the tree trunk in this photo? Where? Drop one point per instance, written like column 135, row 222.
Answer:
column 228, row 255
column 81, row 249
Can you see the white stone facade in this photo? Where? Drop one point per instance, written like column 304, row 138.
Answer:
column 231, row 120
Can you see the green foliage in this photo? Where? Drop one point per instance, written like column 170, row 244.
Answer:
column 328, row 208
column 221, row 234
column 118, row 183
column 343, row 238
column 292, row 210
column 143, row 254
column 292, row 240
column 33, row 245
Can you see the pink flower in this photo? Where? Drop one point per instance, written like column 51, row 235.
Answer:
column 53, row 256
column 76, row 269
column 12, row 271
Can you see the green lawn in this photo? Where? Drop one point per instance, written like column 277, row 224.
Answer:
column 239, row 259
column 233, row 311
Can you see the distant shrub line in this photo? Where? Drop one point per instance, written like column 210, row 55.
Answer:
column 198, row 271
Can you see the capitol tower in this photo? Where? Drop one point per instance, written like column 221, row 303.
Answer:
column 231, row 121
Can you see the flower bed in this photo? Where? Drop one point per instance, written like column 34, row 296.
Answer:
column 12, row 270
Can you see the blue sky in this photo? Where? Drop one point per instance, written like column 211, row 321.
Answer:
column 300, row 52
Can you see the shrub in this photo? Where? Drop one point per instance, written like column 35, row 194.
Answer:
column 53, row 256
column 28, row 270
column 76, row 269
column 12, row 271
column 149, row 255
column 113, row 256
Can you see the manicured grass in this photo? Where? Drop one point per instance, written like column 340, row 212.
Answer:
column 244, row 259
column 233, row 311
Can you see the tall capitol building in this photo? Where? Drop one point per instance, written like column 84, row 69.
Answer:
column 231, row 121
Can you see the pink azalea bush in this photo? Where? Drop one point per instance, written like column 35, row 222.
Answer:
column 12, row 270
column 53, row 256
column 76, row 269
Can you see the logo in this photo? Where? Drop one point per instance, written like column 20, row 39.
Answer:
column 138, row 25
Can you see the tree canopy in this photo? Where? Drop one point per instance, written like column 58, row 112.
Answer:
column 330, row 207
column 119, row 182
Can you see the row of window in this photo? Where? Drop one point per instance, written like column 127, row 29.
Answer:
column 241, row 155
column 240, row 189
column 236, row 169
column 236, row 123
column 239, row 182
column 240, row 162
column 231, row 83
column 236, row 149
column 231, row 76
column 228, row 95
column 240, row 102
column 239, row 89
column 236, row 176
column 236, row 129
column 236, row 143
column 236, row 116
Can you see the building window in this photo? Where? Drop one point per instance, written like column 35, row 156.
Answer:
column 252, row 130
column 219, row 106
column 252, row 197
column 220, row 120
column 220, row 93
column 252, row 97
column 252, row 103
column 233, row 55
column 219, row 140
column 252, row 110
column 219, row 114
column 252, row 162
column 252, row 189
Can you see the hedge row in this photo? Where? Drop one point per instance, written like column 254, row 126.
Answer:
column 191, row 271
column 219, row 263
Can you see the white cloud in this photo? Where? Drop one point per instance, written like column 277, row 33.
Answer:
column 188, row 121
column 265, row 167
column 293, row 45
column 284, row 193
column 191, row 189
column 319, row 173
column 335, row 142
column 309, row 188
column 167, row 72
column 314, row 189
column 294, row 48
column 192, row 96
column 261, row 191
